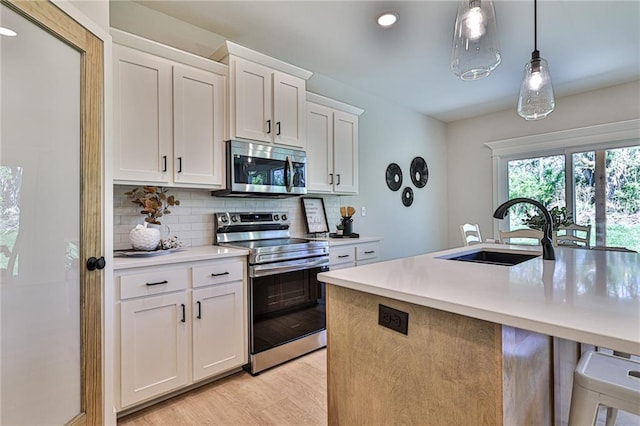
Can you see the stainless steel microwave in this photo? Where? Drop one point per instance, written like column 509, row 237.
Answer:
column 259, row 170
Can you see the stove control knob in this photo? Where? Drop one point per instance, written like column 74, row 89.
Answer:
column 234, row 218
column 284, row 217
column 224, row 219
column 276, row 217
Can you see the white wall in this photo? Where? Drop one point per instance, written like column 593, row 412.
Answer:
column 388, row 133
column 469, row 164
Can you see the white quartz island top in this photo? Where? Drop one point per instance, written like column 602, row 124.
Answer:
column 187, row 254
column 587, row 296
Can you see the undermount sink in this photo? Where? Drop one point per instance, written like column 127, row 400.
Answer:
column 495, row 257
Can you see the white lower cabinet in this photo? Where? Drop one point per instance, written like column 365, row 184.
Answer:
column 218, row 328
column 178, row 325
column 153, row 336
column 347, row 255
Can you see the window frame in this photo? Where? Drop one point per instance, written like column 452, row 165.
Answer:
column 622, row 134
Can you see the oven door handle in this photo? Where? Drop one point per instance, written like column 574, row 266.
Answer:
column 256, row 271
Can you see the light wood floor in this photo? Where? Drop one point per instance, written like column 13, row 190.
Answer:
column 294, row 393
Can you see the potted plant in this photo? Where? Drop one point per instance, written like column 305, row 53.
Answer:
column 559, row 217
column 155, row 203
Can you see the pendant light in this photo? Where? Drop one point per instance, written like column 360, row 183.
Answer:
column 476, row 50
column 536, row 98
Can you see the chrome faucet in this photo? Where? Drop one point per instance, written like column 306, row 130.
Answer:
column 547, row 245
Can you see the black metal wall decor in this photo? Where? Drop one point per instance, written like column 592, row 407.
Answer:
column 419, row 173
column 394, row 177
column 407, row 196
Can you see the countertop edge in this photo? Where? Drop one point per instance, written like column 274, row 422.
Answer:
column 188, row 254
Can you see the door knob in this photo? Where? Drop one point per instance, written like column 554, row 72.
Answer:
column 93, row 263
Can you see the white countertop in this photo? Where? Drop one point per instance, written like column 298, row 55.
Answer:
column 587, row 296
column 187, row 254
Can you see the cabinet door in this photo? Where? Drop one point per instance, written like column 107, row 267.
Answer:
column 251, row 101
column 319, row 148
column 218, row 329
column 288, row 110
column 153, row 346
column 142, row 116
column 198, row 121
column 345, row 142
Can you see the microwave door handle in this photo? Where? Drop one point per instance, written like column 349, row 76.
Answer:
column 290, row 174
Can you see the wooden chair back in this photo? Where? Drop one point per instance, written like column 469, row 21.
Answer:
column 573, row 235
column 507, row 237
column 470, row 234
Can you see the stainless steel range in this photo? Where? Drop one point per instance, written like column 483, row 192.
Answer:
column 286, row 300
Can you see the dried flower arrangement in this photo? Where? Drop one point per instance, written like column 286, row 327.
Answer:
column 154, row 202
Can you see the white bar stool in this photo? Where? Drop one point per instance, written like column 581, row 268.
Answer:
column 604, row 379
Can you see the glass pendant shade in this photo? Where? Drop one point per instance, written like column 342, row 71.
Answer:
column 476, row 49
column 536, row 98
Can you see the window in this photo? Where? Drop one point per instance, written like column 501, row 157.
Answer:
column 593, row 172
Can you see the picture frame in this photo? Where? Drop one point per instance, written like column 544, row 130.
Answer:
column 315, row 215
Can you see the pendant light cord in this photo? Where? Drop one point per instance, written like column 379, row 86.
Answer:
column 535, row 24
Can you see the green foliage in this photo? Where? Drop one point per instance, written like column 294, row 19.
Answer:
column 559, row 216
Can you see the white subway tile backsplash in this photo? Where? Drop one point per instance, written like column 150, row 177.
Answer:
column 192, row 221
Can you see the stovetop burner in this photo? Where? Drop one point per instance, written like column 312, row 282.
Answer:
column 267, row 237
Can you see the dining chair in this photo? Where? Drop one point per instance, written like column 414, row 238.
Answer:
column 577, row 235
column 517, row 236
column 470, row 234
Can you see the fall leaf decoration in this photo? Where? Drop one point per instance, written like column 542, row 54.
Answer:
column 154, row 201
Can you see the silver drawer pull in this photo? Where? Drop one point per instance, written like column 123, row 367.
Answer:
column 343, row 256
column 158, row 283
column 220, row 274
column 369, row 252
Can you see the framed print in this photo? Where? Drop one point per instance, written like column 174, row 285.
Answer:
column 315, row 215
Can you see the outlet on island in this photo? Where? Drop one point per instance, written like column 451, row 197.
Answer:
column 394, row 319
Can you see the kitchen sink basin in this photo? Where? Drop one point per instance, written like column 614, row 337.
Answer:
column 495, row 257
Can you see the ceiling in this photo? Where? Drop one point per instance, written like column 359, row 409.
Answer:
column 588, row 44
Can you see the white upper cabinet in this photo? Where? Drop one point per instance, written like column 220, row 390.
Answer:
column 169, row 116
column 142, row 116
column 198, row 126
column 266, row 97
column 332, row 146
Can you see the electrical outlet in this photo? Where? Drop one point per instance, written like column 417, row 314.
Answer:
column 394, row 319
column 364, row 211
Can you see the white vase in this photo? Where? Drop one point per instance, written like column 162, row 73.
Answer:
column 144, row 238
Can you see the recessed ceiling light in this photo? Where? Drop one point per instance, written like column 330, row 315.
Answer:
column 387, row 19
column 7, row 32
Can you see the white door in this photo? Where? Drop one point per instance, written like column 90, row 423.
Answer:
column 153, row 346
column 51, row 218
column 218, row 329
column 319, row 148
column 288, row 109
column 345, row 129
column 142, row 116
column 252, row 98
column 198, row 125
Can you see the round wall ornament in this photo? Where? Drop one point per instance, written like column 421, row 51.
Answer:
column 394, row 176
column 407, row 196
column 419, row 172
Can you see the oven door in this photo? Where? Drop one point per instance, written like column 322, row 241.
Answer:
column 265, row 169
column 286, row 307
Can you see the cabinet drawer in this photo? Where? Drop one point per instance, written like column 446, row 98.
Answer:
column 341, row 255
column 217, row 273
column 153, row 282
column 367, row 251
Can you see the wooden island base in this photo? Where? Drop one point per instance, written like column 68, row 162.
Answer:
column 449, row 370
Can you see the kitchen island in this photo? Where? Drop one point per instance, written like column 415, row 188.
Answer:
column 479, row 344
